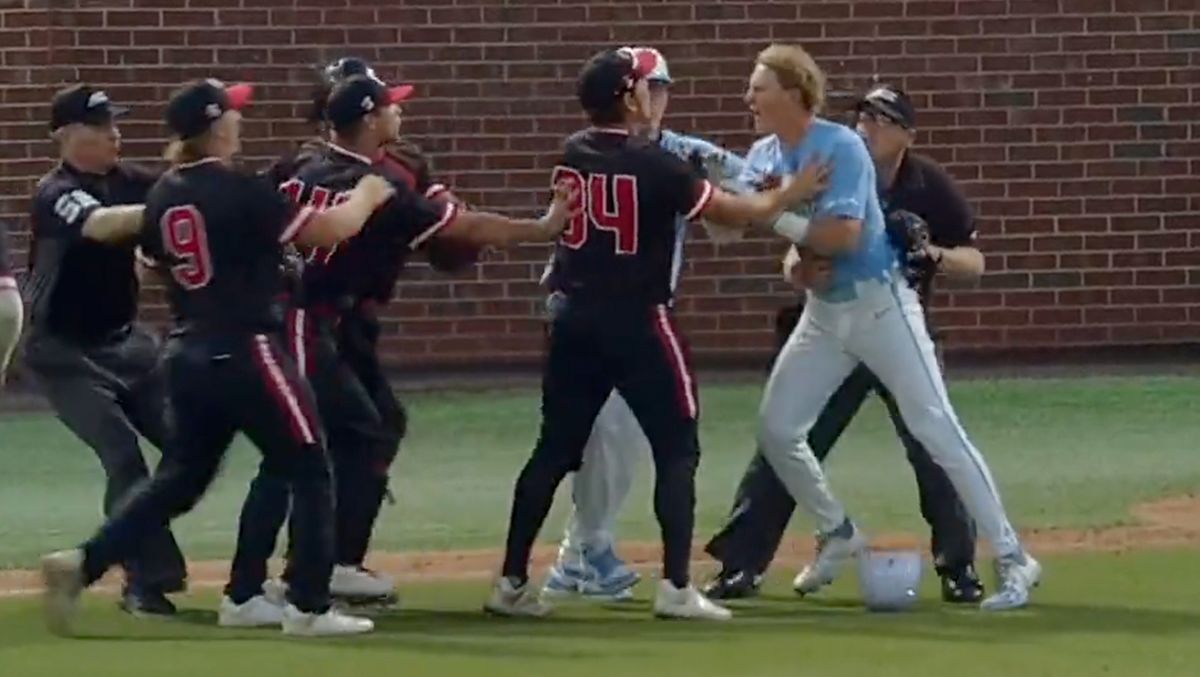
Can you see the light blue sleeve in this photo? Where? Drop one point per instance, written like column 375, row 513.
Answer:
column 850, row 183
column 685, row 146
column 756, row 166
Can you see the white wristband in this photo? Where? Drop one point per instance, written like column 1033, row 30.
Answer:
column 792, row 226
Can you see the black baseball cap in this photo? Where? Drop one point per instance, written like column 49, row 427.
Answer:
column 195, row 107
column 358, row 95
column 892, row 103
column 82, row 104
column 609, row 74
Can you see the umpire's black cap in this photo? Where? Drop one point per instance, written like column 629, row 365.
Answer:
column 358, row 95
column 609, row 74
column 892, row 103
column 82, row 104
column 195, row 107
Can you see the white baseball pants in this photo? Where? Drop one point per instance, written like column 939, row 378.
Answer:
column 884, row 328
column 602, row 483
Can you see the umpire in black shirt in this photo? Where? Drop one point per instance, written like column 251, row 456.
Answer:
column 931, row 225
column 99, row 371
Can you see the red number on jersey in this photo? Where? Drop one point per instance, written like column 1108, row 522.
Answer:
column 576, row 232
column 613, row 205
column 319, row 200
column 607, row 203
column 185, row 239
column 292, row 189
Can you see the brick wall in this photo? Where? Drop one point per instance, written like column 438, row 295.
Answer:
column 1072, row 124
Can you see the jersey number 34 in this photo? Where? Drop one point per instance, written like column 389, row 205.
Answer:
column 608, row 202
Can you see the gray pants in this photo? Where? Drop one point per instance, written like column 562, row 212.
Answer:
column 108, row 394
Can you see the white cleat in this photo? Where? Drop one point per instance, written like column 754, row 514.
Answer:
column 513, row 602
column 833, row 551
column 275, row 591
column 687, row 603
column 356, row 582
column 332, row 623
column 256, row 612
column 62, row 575
column 1016, row 576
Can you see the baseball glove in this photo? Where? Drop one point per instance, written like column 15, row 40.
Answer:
column 909, row 234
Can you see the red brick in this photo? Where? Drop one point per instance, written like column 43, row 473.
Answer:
column 1026, row 118
column 816, row 10
column 1083, row 297
column 1092, row 261
column 1108, row 315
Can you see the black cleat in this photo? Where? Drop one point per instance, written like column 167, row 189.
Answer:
column 733, row 585
column 146, row 604
column 961, row 585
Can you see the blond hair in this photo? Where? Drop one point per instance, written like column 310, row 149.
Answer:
column 795, row 69
column 183, row 151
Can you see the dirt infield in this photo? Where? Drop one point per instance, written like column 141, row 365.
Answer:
column 1162, row 524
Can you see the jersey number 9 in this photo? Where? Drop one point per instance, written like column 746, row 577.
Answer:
column 186, row 240
column 609, row 202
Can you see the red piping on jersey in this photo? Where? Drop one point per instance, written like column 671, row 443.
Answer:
column 349, row 153
column 448, row 216
column 685, row 384
column 298, row 223
column 285, row 396
column 706, row 193
column 435, row 190
column 611, row 130
column 297, row 330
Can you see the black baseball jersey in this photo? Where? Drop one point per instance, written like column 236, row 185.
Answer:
column 5, row 262
column 409, row 164
column 219, row 237
column 350, row 271
column 80, row 288
column 623, row 245
column 923, row 188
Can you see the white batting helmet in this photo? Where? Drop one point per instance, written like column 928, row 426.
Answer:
column 889, row 579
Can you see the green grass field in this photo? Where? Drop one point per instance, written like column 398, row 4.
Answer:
column 1067, row 453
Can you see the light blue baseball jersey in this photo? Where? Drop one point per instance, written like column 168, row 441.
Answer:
column 852, row 193
column 684, row 147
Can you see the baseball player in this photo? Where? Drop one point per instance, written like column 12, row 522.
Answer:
column 378, row 421
column 12, row 312
column 364, row 116
column 99, row 370
column 587, row 561
column 943, row 241
column 615, row 328
column 865, row 314
column 220, row 236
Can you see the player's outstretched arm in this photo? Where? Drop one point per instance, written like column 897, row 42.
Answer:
column 485, row 229
column 767, row 207
column 113, row 224
column 327, row 228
